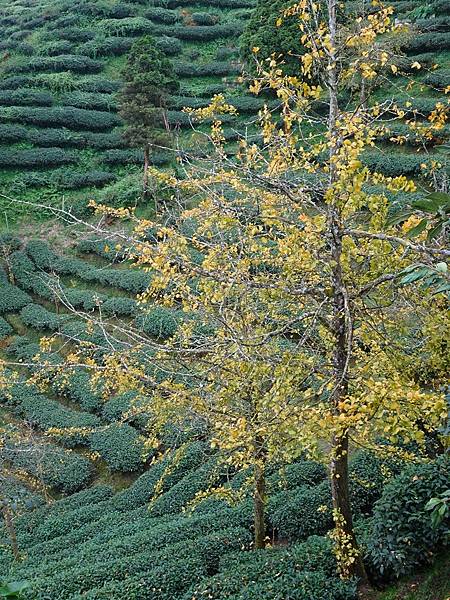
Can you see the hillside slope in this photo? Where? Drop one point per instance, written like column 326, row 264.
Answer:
column 60, row 71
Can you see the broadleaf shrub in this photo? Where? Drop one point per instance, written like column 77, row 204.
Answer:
column 402, row 535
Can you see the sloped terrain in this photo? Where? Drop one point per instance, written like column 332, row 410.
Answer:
column 60, row 72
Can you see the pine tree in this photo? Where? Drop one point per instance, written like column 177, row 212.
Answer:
column 149, row 80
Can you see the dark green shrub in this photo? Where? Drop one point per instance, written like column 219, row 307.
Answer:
column 122, row 157
column 368, row 475
column 23, row 349
column 180, row 494
column 393, row 163
column 55, row 48
column 38, row 317
column 119, row 307
column 216, row 68
column 85, row 500
column 101, row 248
column 160, row 322
column 48, row 157
column 402, row 536
column 302, row 572
column 439, row 79
column 106, row 86
column 202, row 34
column 25, row 97
column 70, row 117
column 162, row 15
column 45, row 413
column 120, row 447
column 14, row 82
column 305, row 512
column 115, row 408
column 130, row 280
column 89, row 100
column 65, row 62
column 75, row 180
column 84, row 299
column 5, row 328
column 141, row 491
column 12, row 298
column 204, row 18
column 428, row 42
column 171, row 46
column 62, row 470
column 306, row 472
column 41, row 254
column 77, row 388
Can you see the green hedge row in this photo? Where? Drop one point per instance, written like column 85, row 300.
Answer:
column 62, row 470
column 161, row 574
column 120, row 446
column 141, row 491
column 211, row 69
column 304, row 472
column 23, row 349
column 110, row 46
column 86, row 500
column 65, row 62
column 439, row 79
column 69, row 117
column 304, row 512
column 48, row 157
column 66, row 179
column 207, row 3
column 5, row 328
column 56, row 48
column 38, row 317
column 428, row 42
column 393, row 163
column 89, row 100
column 78, row 389
column 44, row 413
column 130, row 280
column 115, row 408
column 159, row 14
column 305, row 571
column 180, row 494
column 171, row 46
column 106, row 250
column 10, row 133
column 12, row 298
column 25, row 97
column 160, row 322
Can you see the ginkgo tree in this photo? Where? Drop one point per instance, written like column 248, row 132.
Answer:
column 299, row 330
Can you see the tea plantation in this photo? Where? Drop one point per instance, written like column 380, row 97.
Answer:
column 97, row 513
column 113, row 522
column 60, row 73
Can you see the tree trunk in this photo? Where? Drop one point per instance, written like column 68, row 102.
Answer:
column 11, row 530
column 259, row 503
column 342, row 328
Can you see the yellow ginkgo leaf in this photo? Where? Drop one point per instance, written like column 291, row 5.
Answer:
column 416, row 65
column 394, row 68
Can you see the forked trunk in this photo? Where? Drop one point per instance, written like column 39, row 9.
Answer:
column 259, row 503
